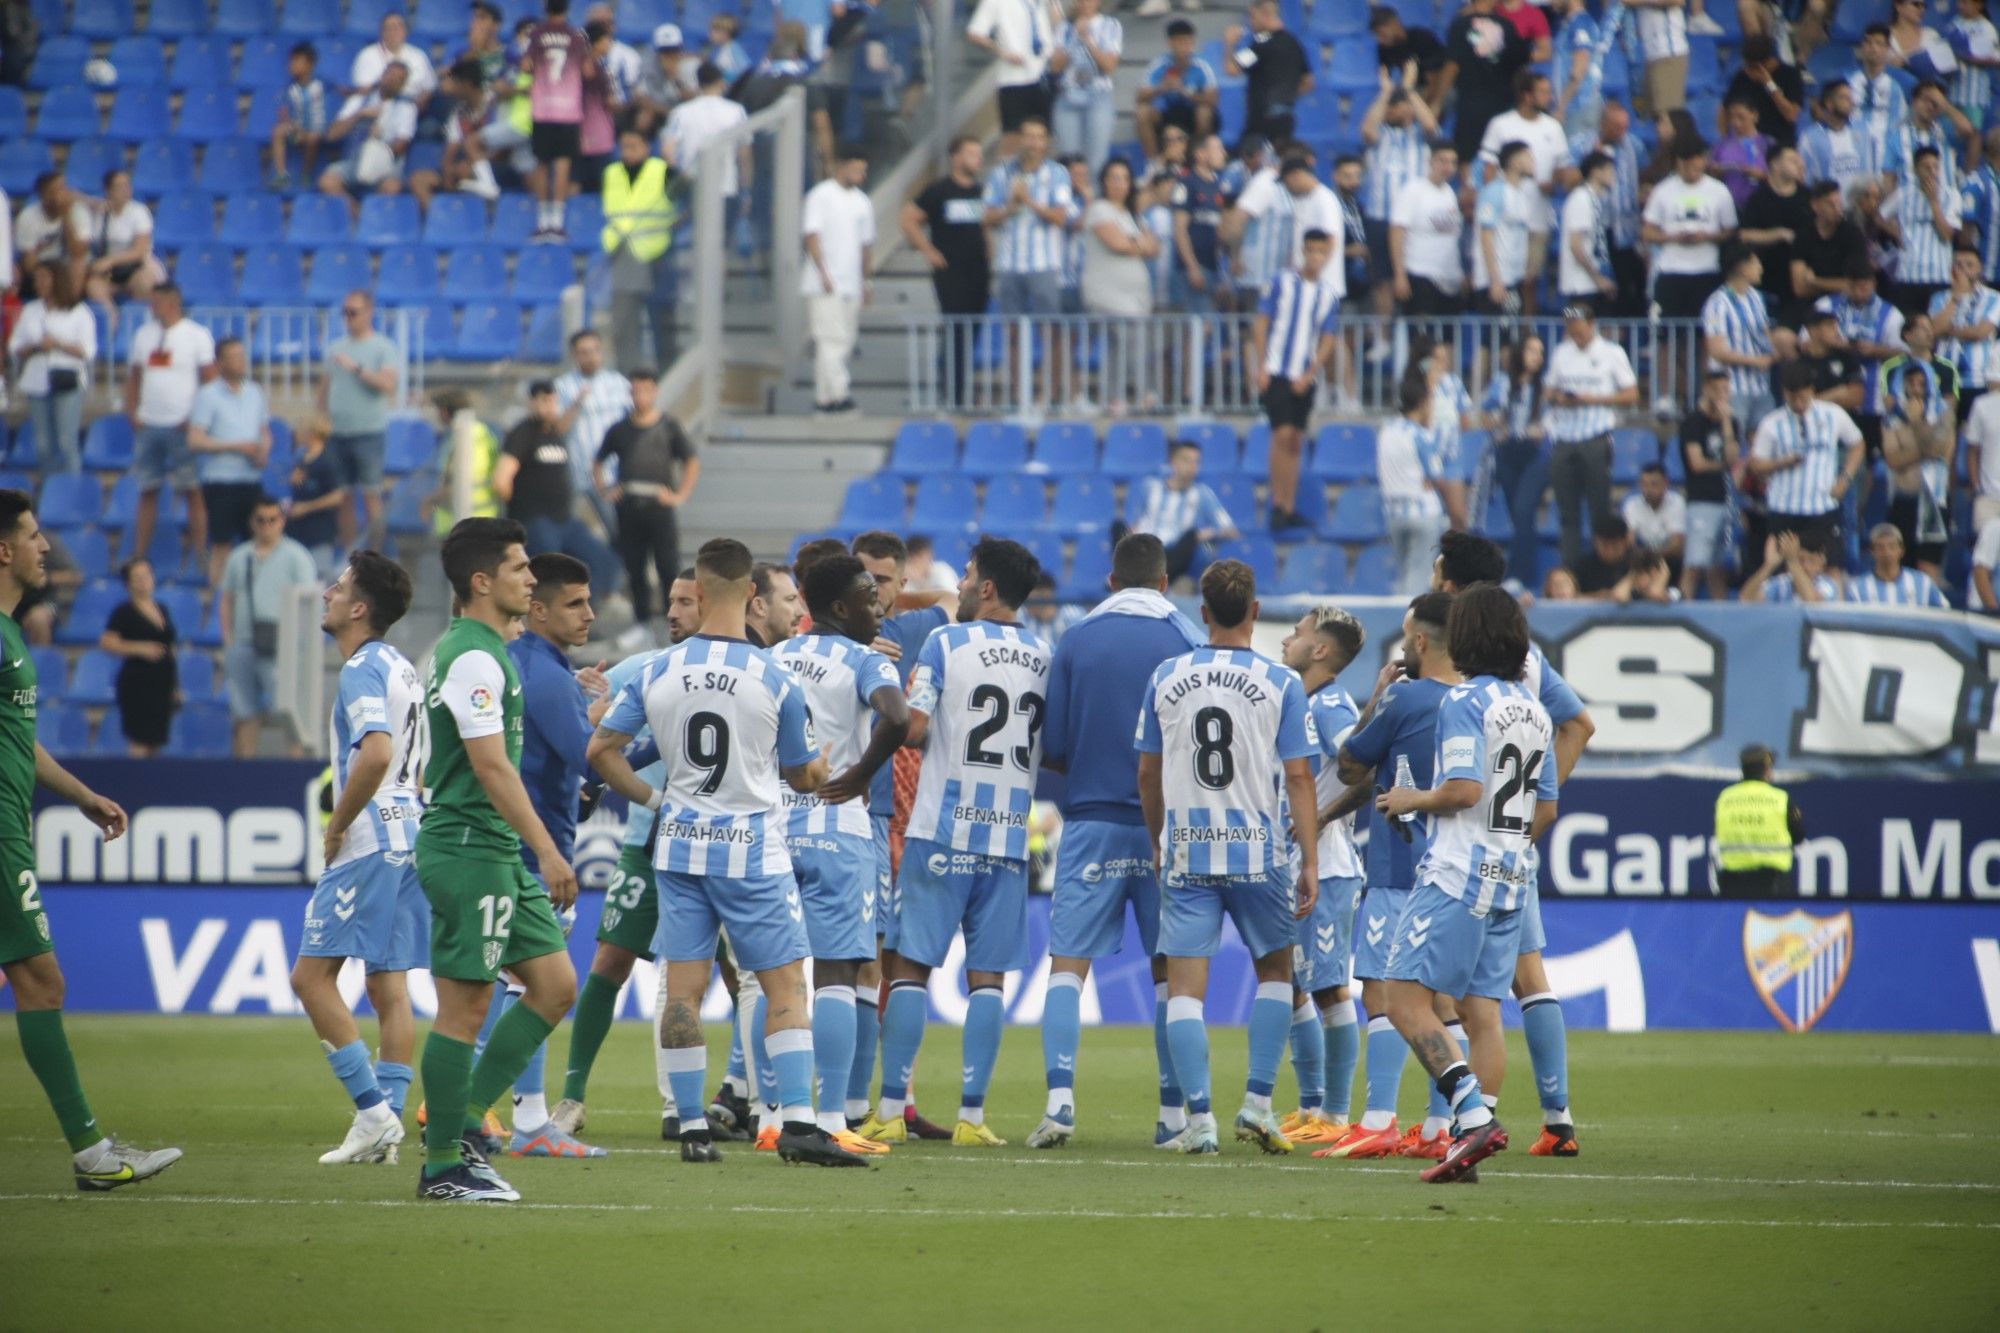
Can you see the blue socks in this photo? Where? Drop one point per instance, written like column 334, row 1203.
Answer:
column 1342, row 1036
column 867, row 1031
column 1308, row 1056
column 984, row 1013
column 767, row 1077
column 1387, row 1053
column 1062, row 1032
column 1270, row 1017
column 687, row 1070
column 351, row 1067
column 902, row 1034
column 1458, row 1087
column 1187, row 1039
column 833, row 1051
column 1548, row 1051
column 738, row 1069
column 791, row 1077
column 1173, row 1106
column 394, row 1080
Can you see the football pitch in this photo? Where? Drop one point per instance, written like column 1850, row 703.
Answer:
column 1824, row 1181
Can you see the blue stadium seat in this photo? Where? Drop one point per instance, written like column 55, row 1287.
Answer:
column 407, row 273
column 411, row 445
column 181, row 220
column 583, row 219
column 138, row 113
column 1047, row 548
column 542, row 333
column 638, row 18
column 1237, row 493
column 1357, row 516
column 436, row 21
column 59, row 62
column 184, row 606
column 51, row 670
column 273, row 275
column 281, row 442
column 945, row 503
column 263, row 115
column 101, row 19
column 364, row 17
column 21, row 161
column 162, row 166
column 1309, row 504
column 388, row 219
column 13, row 113
column 1255, row 459
column 1374, row 571
column 87, row 614
column 231, row 166
column 91, row 550
column 13, row 478
column 138, row 60
column 436, row 320
column 1705, row 76
column 1473, row 446
column 1352, row 69
column 405, row 514
column 107, row 444
column 123, row 503
column 923, row 447
column 1497, row 523
column 994, row 447
column 244, row 18
column 1617, row 74
column 871, row 502
column 1133, row 449
column 64, row 730
column 318, row 219
column 1314, row 570
column 1255, row 550
column 177, row 18
column 310, row 18
column 542, row 272
column 253, row 219
column 1331, row 21
column 69, row 500
column 201, row 732
column 95, row 683
column 1218, row 441
column 87, row 163
column 207, row 274
column 197, row 677
column 1084, row 505
column 208, row 114
column 336, row 62
column 454, row 220
column 67, row 113
column 513, row 220
column 1015, row 506
column 1065, row 448
column 264, row 64
column 1089, row 567
column 1344, row 452
column 336, row 271
column 1852, row 17
column 476, row 268
column 487, row 331
column 1632, row 447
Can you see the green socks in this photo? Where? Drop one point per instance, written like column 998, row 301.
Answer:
column 512, row 1043
column 47, row 1049
column 588, row 1027
column 447, row 1067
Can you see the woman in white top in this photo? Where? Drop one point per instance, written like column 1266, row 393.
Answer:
column 53, row 343
column 122, row 262
column 1117, row 248
column 1085, row 58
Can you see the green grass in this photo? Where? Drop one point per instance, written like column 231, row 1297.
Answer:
column 1827, row 1181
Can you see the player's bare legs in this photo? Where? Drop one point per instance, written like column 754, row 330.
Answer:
column 1413, row 1010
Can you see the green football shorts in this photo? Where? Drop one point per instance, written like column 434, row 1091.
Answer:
column 485, row 915
column 24, row 927
column 631, row 905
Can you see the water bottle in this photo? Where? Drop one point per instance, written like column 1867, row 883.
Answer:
column 1404, row 779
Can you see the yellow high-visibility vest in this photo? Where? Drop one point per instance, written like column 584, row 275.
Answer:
column 637, row 210
column 485, row 453
column 1752, row 831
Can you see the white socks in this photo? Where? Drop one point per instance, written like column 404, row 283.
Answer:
column 531, row 1111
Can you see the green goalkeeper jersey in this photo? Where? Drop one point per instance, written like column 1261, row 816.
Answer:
column 473, row 691
column 17, row 732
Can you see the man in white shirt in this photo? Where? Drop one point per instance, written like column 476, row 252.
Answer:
column 171, row 357
column 55, row 226
column 1982, row 457
column 1657, row 514
column 1021, row 34
column 1553, row 168
column 1315, row 207
column 371, row 62
column 592, row 399
column 1425, row 223
column 839, row 226
column 1688, row 216
column 1984, row 594
column 1407, row 463
column 1503, row 235
column 1583, row 267
column 1587, row 380
column 375, row 163
column 696, row 122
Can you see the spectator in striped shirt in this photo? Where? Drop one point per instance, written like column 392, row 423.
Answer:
column 1807, row 452
column 1029, row 206
column 1980, row 197
column 1932, row 121
column 1873, row 330
column 1878, row 99
column 1407, row 464
column 1397, row 129
column 1179, row 89
column 1293, row 337
column 592, row 398
column 1887, row 582
column 1085, row 58
column 1965, row 317
column 1182, row 510
column 1736, row 330
column 1925, row 213
column 1837, row 147
column 1257, row 227
column 1976, row 44
column 1617, row 142
column 1794, row 570
column 1919, row 443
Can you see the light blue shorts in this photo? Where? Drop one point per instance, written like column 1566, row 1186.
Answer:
column 836, row 873
column 371, row 908
column 1533, row 940
column 161, row 457
column 763, row 915
column 1375, row 922
column 1326, row 938
column 941, row 892
column 885, row 879
column 1100, row 868
column 1191, row 913
column 1443, row 945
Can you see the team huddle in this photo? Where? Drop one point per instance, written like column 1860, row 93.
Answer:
column 1201, row 780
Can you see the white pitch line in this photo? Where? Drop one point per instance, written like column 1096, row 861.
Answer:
column 1027, row 1214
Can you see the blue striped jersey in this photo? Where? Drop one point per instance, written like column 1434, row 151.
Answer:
column 1876, row 322
column 1450, row 402
column 727, row 719
column 1023, row 243
column 1509, row 212
column 1197, row 76
column 1972, row 86
column 639, row 820
column 1170, row 514
column 1224, row 721
column 1743, row 323
column 984, row 686
column 1266, row 247
column 1406, row 463
column 1844, row 156
column 1910, row 587
column 907, row 630
column 1926, row 256
column 379, row 691
column 1300, row 312
column 1901, row 145
column 1972, row 356
column 1879, row 105
column 1821, row 436
column 1399, row 155
column 839, row 677
column 1334, row 717
column 1579, row 32
column 1625, row 198
column 1599, row 369
column 1494, row 733
column 1979, row 199
column 1778, row 589
column 1556, row 696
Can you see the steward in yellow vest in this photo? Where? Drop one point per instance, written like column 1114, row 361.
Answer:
column 639, row 215
column 1756, row 827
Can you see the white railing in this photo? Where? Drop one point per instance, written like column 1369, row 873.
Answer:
column 287, row 345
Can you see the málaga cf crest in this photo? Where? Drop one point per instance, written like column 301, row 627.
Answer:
column 1798, row 963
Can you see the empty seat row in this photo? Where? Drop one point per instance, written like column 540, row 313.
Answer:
column 276, row 275
column 198, row 731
